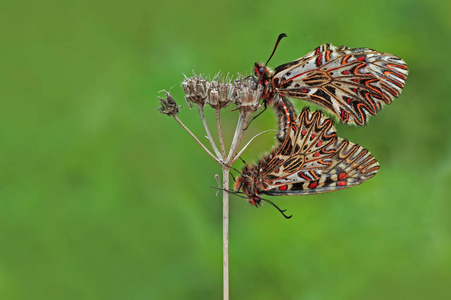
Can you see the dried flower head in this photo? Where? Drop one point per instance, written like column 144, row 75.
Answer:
column 215, row 93
column 196, row 88
column 219, row 95
column 168, row 107
column 248, row 94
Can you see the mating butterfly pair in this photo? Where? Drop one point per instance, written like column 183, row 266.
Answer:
column 310, row 158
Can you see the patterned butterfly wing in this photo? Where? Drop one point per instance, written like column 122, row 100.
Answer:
column 314, row 160
column 351, row 83
column 351, row 166
column 308, row 147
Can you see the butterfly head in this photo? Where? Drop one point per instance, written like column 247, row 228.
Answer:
column 262, row 72
column 248, row 184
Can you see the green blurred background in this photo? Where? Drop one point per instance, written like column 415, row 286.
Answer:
column 101, row 197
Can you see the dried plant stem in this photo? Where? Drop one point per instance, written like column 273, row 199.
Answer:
column 225, row 230
column 239, row 132
column 197, row 140
column 200, row 107
column 242, row 121
column 221, row 136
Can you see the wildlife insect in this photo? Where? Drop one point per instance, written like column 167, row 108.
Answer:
column 311, row 160
column 349, row 83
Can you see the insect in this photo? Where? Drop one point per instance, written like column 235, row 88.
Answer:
column 311, row 160
column 350, row 83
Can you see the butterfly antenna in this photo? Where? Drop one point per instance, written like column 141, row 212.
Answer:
column 281, row 36
column 233, row 177
column 236, row 193
column 233, row 168
column 282, row 211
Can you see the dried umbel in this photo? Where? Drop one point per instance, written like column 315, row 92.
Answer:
column 168, row 106
column 196, row 89
column 247, row 95
column 220, row 92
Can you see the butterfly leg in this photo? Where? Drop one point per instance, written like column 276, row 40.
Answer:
column 265, row 106
column 252, row 77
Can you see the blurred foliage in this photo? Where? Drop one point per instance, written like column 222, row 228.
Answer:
column 104, row 198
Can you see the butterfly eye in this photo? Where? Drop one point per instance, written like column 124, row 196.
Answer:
column 261, row 70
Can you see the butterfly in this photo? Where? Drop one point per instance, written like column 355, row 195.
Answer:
column 311, row 160
column 349, row 83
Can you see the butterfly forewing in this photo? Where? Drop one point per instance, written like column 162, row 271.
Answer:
column 351, row 83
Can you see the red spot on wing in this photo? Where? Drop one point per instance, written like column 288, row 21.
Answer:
column 312, row 137
column 345, row 72
column 303, row 132
column 316, row 154
column 313, row 184
column 341, row 183
column 318, row 60
column 319, row 144
column 342, row 176
column 362, row 58
column 283, row 187
column 276, row 171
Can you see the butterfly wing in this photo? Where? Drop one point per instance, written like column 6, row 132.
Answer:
column 351, row 166
column 305, row 153
column 314, row 160
column 350, row 83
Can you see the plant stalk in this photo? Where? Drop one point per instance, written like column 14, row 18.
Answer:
column 225, row 229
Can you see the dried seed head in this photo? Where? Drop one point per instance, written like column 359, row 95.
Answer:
column 219, row 92
column 196, row 88
column 248, row 94
column 219, row 95
column 215, row 93
column 168, row 106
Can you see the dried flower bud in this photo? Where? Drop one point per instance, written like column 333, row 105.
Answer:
column 218, row 96
column 168, row 107
column 248, row 95
column 196, row 89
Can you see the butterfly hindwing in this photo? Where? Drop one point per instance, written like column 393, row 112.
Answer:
column 306, row 151
column 314, row 160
